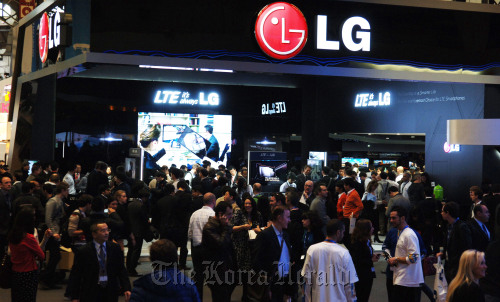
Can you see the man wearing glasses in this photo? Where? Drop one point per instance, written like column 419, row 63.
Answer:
column 98, row 269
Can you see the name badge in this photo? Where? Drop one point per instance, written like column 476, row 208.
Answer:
column 373, row 269
column 103, row 278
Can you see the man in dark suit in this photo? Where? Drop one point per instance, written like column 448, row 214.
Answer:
column 492, row 200
column 303, row 177
column 182, row 212
column 458, row 239
column 139, row 227
column 213, row 150
column 121, row 184
column 96, row 178
column 98, row 270
column 480, row 233
column 273, row 255
column 218, row 252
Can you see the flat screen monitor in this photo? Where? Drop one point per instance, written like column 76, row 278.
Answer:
column 268, row 171
column 384, row 162
column 318, row 155
column 362, row 162
column 182, row 139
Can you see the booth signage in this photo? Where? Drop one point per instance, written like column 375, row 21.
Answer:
column 178, row 97
column 49, row 33
column 369, row 100
column 273, row 108
column 448, row 148
column 281, row 32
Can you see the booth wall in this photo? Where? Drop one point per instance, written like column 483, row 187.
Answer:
column 415, row 107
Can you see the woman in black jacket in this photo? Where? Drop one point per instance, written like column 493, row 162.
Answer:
column 363, row 257
column 465, row 286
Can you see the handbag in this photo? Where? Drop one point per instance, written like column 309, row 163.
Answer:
column 440, row 284
column 428, row 265
column 6, row 272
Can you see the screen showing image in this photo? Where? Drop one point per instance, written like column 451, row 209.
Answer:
column 384, row 162
column 182, row 139
column 317, row 155
column 362, row 162
column 268, row 171
column 316, row 166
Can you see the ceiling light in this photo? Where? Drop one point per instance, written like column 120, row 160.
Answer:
column 166, row 67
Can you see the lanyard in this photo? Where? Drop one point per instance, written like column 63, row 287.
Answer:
column 399, row 232
column 329, row 240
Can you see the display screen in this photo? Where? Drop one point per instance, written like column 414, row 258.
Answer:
column 362, row 162
column 318, row 155
column 268, row 171
column 384, row 162
column 182, row 139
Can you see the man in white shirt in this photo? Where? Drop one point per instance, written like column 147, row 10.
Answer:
column 328, row 270
column 405, row 184
column 289, row 183
column 400, row 170
column 406, row 262
column 69, row 179
column 195, row 231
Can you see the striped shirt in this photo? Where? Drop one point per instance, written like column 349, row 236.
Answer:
column 197, row 222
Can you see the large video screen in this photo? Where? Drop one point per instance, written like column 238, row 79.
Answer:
column 362, row 162
column 268, row 172
column 182, row 139
column 383, row 162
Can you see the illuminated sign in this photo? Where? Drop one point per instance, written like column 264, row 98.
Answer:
column 347, row 31
column 273, row 108
column 178, row 97
column 281, row 32
column 451, row 148
column 369, row 100
column 49, row 32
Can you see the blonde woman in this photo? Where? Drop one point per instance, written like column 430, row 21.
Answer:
column 465, row 285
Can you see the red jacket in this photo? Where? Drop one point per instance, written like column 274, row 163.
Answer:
column 353, row 204
column 25, row 253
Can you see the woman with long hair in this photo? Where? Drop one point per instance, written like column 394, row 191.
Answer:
column 313, row 230
column 465, row 285
column 363, row 257
column 245, row 219
column 25, row 251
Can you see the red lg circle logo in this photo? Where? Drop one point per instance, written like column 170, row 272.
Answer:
column 281, row 30
column 43, row 37
column 447, row 147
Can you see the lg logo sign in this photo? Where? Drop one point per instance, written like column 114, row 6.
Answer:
column 281, row 32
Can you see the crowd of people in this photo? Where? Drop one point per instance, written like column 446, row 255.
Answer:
column 312, row 240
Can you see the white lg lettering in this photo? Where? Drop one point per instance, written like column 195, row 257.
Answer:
column 347, row 30
column 212, row 100
column 54, row 30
